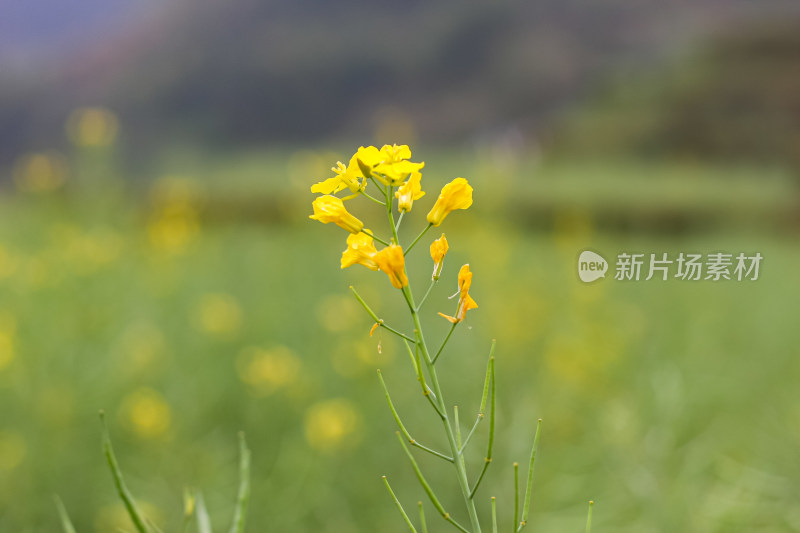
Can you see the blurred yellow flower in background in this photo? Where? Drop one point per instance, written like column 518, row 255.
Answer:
column 174, row 222
column 92, row 126
column 391, row 261
column 115, row 518
column 266, row 371
column 8, row 326
column 218, row 315
column 338, row 313
column 146, row 413
column 331, row 425
column 12, row 450
column 439, row 249
column 331, row 209
column 409, row 191
column 360, row 250
column 40, row 172
column 455, row 195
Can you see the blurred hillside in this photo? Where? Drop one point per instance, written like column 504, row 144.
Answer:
column 735, row 99
column 245, row 73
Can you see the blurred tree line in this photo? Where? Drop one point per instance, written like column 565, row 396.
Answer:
column 245, row 73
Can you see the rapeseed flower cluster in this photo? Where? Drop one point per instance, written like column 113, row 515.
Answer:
column 395, row 178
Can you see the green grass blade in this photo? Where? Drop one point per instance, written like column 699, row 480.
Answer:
column 122, row 490
column 244, row 487
column 203, row 521
column 66, row 523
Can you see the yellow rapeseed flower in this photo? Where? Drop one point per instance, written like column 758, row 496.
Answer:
column 331, row 209
column 360, row 250
column 409, row 191
column 394, row 167
column 465, row 301
column 351, row 176
column 391, row 261
column 455, row 195
column 439, row 249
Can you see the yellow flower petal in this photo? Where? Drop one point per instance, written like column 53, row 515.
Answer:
column 455, row 195
column 408, row 192
column 360, row 250
column 391, row 261
column 331, row 209
column 439, row 249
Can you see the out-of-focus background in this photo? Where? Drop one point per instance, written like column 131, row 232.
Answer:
column 156, row 259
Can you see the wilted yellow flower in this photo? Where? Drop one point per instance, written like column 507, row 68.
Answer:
column 465, row 301
column 391, row 261
column 331, row 209
column 439, row 249
column 394, row 169
column 455, row 195
column 360, row 250
column 409, row 191
column 351, row 176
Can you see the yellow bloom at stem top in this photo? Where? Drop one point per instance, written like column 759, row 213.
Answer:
column 352, row 175
column 439, row 249
column 331, row 209
column 391, row 261
column 360, row 250
column 465, row 301
column 394, row 168
column 455, row 195
column 408, row 192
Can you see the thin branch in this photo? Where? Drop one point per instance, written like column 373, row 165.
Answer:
column 488, row 459
column 422, row 518
column 427, row 488
column 403, row 428
column 423, row 232
column 377, row 320
column 444, row 343
column 399, row 505
column 589, row 518
column 529, row 488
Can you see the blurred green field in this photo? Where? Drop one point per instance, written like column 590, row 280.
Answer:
column 195, row 299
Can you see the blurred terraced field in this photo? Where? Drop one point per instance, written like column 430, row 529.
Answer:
column 195, row 299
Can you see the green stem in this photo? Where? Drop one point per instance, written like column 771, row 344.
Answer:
column 400, row 219
column 402, row 427
column 437, row 389
column 422, row 518
column 377, row 320
column 529, row 488
column 488, row 459
column 423, row 232
column 66, row 523
column 494, row 515
column 589, row 518
column 516, row 495
column 375, row 237
column 372, row 198
column 444, row 343
column 430, row 287
column 399, row 505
